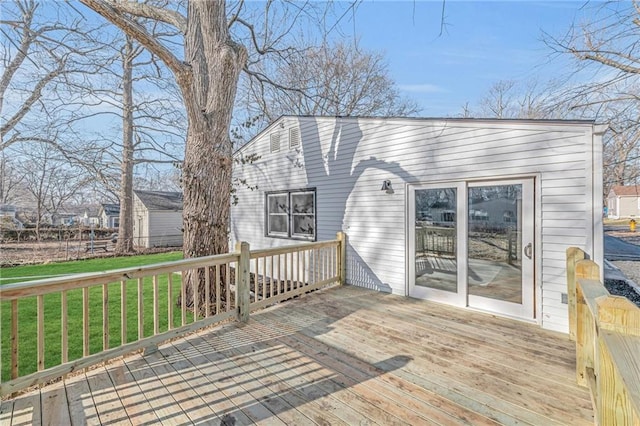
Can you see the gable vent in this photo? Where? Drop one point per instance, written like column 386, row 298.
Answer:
column 275, row 142
column 294, row 138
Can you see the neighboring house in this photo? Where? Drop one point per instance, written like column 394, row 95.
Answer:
column 8, row 210
column 8, row 217
column 91, row 217
column 623, row 201
column 157, row 219
column 470, row 212
column 109, row 215
column 63, row 219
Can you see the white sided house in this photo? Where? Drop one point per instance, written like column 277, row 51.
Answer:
column 624, row 201
column 109, row 215
column 473, row 213
column 157, row 219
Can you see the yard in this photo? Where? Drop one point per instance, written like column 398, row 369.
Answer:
column 14, row 253
column 52, row 305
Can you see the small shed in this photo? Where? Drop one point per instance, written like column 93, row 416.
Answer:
column 623, row 201
column 475, row 213
column 157, row 219
column 109, row 215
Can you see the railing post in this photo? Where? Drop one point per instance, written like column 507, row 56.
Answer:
column 587, row 269
column 243, row 281
column 342, row 257
column 14, row 339
column 619, row 315
column 585, row 325
column 574, row 254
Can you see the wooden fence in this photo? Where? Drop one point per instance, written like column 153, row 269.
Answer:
column 606, row 330
column 96, row 317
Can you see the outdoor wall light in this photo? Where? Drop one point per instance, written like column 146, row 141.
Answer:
column 386, row 186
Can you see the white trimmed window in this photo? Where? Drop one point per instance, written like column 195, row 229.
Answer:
column 291, row 214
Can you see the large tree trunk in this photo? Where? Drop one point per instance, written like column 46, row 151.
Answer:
column 215, row 62
column 208, row 78
column 125, row 228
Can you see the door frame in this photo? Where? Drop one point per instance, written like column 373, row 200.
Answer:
column 456, row 299
column 526, row 309
column 460, row 299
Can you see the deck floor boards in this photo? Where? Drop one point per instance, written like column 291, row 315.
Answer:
column 345, row 356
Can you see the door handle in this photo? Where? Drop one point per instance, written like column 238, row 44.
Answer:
column 528, row 250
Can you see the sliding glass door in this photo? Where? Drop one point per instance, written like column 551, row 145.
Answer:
column 500, row 273
column 472, row 245
column 434, row 218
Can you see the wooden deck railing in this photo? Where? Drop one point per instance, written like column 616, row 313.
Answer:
column 86, row 319
column 606, row 330
column 435, row 239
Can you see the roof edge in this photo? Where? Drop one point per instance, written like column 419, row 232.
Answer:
column 599, row 128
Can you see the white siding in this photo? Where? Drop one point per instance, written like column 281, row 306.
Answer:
column 348, row 159
column 156, row 228
column 140, row 223
column 165, row 228
column 628, row 206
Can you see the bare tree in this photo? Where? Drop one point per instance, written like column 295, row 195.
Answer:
column 150, row 127
column 207, row 76
column 621, row 147
column 10, row 179
column 339, row 79
column 499, row 101
column 610, row 40
column 514, row 99
column 606, row 81
column 54, row 88
column 140, row 124
column 50, row 181
column 39, row 59
column 125, row 224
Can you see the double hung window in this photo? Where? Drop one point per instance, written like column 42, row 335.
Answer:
column 291, row 214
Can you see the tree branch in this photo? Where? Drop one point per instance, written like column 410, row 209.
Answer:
column 33, row 98
column 114, row 13
column 145, row 10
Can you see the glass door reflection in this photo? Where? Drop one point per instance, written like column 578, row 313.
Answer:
column 495, row 242
column 435, row 243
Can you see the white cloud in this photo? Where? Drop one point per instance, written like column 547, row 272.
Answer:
column 421, row 88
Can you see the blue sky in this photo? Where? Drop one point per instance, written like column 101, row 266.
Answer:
column 483, row 42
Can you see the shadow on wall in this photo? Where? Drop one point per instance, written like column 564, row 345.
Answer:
column 338, row 167
column 338, row 164
column 361, row 275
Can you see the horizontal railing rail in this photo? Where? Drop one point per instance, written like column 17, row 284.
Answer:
column 606, row 330
column 55, row 326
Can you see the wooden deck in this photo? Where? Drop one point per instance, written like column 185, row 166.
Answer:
column 341, row 356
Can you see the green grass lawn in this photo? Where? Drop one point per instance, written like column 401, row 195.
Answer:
column 32, row 272
column 27, row 312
